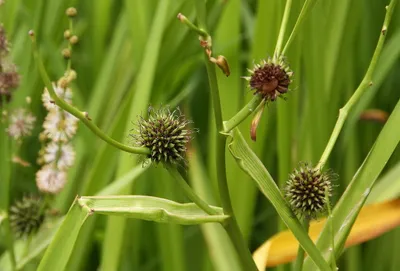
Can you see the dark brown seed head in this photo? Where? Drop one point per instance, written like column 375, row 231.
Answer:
column 305, row 190
column 270, row 79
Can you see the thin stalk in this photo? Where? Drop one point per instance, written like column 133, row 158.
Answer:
column 231, row 227
column 240, row 116
column 83, row 116
column 329, row 220
column 71, row 28
column 282, row 31
column 189, row 191
column 298, row 264
column 364, row 85
column 308, row 4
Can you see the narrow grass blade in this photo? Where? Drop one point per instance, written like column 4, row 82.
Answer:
column 250, row 163
column 374, row 220
column 349, row 205
column 387, row 187
column 57, row 254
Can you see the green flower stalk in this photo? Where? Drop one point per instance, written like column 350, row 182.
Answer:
column 166, row 134
column 305, row 191
column 26, row 216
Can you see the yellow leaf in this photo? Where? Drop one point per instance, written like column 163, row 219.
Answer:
column 373, row 221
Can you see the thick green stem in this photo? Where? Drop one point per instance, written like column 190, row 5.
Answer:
column 189, row 191
column 231, row 227
column 246, row 111
column 308, row 4
column 83, row 116
column 298, row 264
column 364, row 85
column 282, row 30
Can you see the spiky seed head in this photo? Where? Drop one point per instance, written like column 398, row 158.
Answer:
column 270, row 78
column 26, row 216
column 305, row 190
column 166, row 134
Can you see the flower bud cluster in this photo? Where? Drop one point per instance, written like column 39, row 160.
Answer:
column 57, row 154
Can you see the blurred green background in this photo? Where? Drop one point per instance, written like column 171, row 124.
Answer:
column 135, row 53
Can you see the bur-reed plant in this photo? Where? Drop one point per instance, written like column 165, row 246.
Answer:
column 162, row 138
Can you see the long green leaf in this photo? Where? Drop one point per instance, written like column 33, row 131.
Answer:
column 249, row 162
column 151, row 209
column 349, row 205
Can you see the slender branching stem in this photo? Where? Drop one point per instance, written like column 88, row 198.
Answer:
column 364, row 85
column 282, row 31
column 308, row 4
column 298, row 264
column 240, row 116
column 189, row 191
column 231, row 227
column 83, row 116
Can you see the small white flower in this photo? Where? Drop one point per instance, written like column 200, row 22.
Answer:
column 21, row 124
column 50, row 180
column 60, row 126
column 63, row 155
column 64, row 94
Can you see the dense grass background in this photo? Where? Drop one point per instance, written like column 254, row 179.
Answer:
column 134, row 53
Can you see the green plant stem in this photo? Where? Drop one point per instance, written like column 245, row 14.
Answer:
column 189, row 191
column 83, row 116
column 364, row 85
column 329, row 220
column 193, row 27
column 282, row 31
column 231, row 226
column 308, row 4
column 298, row 264
column 71, row 28
column 246, row 111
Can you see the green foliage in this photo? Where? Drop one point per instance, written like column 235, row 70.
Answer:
column 133, row 54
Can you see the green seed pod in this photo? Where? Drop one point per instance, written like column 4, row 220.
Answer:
column 26, row 216
column 270, row 78
column 305, row 190
column 166, row 134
